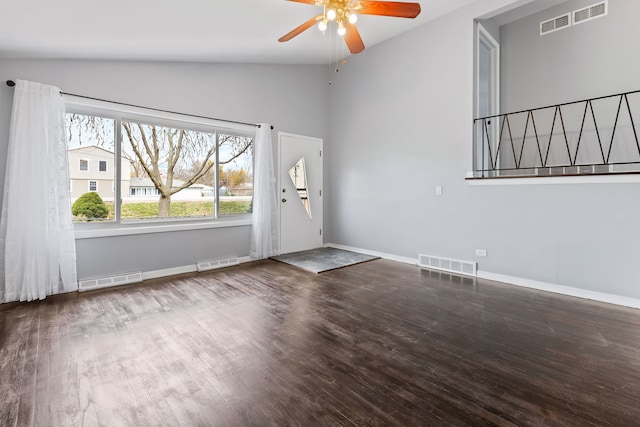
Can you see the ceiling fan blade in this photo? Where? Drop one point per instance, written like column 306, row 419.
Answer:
column 352, row 38
column 387, row 8
column 313, row 2
column 301, row 28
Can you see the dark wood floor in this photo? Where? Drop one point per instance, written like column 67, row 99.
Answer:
column 380, row 343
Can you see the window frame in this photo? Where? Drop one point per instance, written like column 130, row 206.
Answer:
column 118, row 113
column 95, row 181
column 106, row 166
column 80, row 165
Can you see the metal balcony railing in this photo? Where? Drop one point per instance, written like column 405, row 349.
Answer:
column 592, row 136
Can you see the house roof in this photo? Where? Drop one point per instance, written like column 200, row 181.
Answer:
column 90, row 148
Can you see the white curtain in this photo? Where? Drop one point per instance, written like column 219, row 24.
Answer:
column 264, row 233
column 37, row 247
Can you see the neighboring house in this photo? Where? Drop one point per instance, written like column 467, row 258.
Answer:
column 144, row 188
column 244, row 189
column 92, row 168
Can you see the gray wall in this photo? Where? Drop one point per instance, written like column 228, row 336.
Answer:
column 401, row 123
column 248, row 93
column 587, row 60
column 492, row 28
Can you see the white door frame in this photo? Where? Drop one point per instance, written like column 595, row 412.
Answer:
column 485, row 38
column 280, row 185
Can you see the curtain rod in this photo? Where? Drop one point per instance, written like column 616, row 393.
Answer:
column 11, row 83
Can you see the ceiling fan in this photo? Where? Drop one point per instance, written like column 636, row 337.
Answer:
column 345, row 14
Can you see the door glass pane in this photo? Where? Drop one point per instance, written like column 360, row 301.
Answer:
column 298, row 174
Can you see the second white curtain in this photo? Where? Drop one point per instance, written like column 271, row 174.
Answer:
column 264, row 233
column 37, row 246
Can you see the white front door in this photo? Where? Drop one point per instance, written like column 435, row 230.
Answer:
column 300, row 192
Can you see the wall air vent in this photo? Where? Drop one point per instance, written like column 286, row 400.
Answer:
column 446, row 264
column 555, row 24
column 589, row 13
column 106, row 282
column 217, row 263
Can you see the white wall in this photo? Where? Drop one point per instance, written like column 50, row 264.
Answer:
column 401, row 123
column 247, row 93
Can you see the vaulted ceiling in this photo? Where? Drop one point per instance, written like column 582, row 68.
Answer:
column 186, row 30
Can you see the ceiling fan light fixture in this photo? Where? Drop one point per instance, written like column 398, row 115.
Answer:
column 343, row 12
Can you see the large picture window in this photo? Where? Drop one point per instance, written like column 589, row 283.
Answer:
column 164, row 170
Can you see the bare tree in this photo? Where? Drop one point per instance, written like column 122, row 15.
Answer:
column 161, row 150
column 232, row 147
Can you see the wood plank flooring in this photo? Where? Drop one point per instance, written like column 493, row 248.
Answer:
column 266, row 344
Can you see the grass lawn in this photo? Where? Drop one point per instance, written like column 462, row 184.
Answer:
column 179, row 209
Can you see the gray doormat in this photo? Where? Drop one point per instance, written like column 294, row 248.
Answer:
column 323, row 259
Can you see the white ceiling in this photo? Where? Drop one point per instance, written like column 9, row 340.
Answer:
column 185, row 30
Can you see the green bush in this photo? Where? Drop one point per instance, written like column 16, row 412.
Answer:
column 90, row 205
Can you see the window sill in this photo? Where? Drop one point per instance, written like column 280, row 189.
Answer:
column 613, row 178
column 86, row 231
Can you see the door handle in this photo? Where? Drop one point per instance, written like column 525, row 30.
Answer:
column 284, row 200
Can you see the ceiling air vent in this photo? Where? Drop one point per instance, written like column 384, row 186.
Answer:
column 555, row 24
column 589, row 13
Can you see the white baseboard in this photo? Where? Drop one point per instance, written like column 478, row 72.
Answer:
column 511, row 280
column 191, row 268
column 382, row 255
column 563, row 290
column 516, row 281
column 154, row 274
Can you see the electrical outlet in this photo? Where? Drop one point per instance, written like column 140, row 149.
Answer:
column 481, row 252
column 438, row 190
